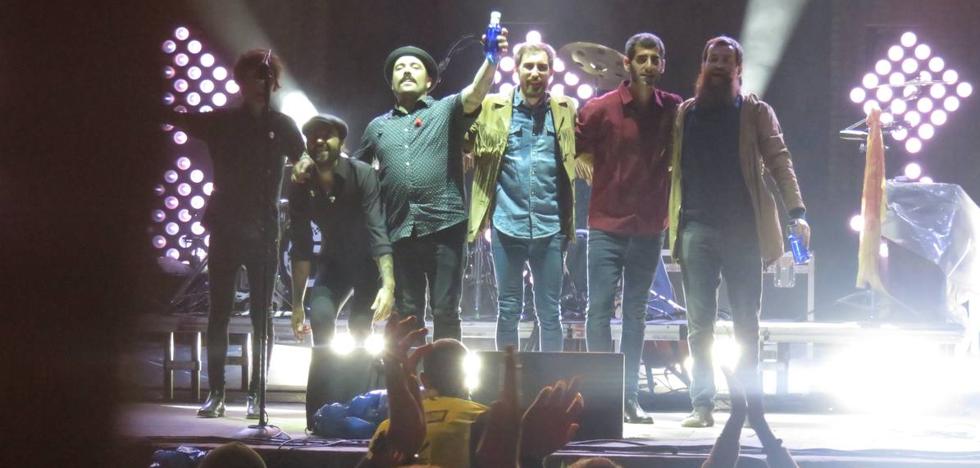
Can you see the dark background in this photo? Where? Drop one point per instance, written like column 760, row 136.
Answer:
column 81, row 150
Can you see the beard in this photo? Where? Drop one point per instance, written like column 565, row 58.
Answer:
column 714, row 91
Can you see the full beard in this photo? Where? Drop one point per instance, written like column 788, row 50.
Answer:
column 714, row 91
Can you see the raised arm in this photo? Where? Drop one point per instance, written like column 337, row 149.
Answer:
column 473, row 94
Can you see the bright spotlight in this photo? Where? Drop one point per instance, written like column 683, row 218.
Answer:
column 180, row 137
column 219, row 73
column 197, row 176
column 869, row 105
column 900, row 134
column 910, row 65
column 938, row 117
column 913, row 145
column 571, row 79
column 913, row 118
column 173, row 253
column 207, row 60
column 937, row 91
column 870, row 80
column 883, row 250
column 298, row 106
column 497, row 77
column 936, row 64
column 232, row 87
column 908, row 39
column 219, row 99
column 507, row 63
column 584, row 91
column 194, row 46
column 181, row 59
column 856, row 223
column 194, row 73
column 471, row 371
column 197, row 228
column 559, row 65
column 342, row 343
column 506, row 88
column 857, row 95
column 533, row 37
column 184, row 189
column 171, row 202
column 172, row 228
column 899, row 106
column 193, row 99
column 197, row 202
column 184, row 215
column 208, row 188
column 182, row 33
column 895, row 53
column 964, row 90
column 884, row 94
column 950, row 76
column 896, row 78
column 206, row 86
column 374, row 344
column 925, row 180
column 922, row 51
column 883, row 67
column 913, row 170
column 159, row 216
column 159, row 241
column 951, row 103
column 557, row 89
column 169, row 46
column 924, row 105
column 927, row 131
column 180, row 85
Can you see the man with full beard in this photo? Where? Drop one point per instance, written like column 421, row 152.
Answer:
column 623, row 138
column 723, row 220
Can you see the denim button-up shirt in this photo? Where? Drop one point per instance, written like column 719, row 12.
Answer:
column 527, row 189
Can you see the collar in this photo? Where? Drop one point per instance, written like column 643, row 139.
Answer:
column 627, row 97
column 424, row 101
column 518, row 101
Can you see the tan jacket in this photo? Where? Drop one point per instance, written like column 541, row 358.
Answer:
column 761, row 149
column 488, row 139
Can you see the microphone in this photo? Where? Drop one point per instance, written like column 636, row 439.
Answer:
column 853, row 135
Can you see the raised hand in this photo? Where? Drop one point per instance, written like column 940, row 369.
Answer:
column 499, row 444
column 552, row 419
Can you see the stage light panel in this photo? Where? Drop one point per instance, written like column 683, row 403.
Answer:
column 206, row 86
column 913, row 170
column 182, row 33
column 194, row 46
column 219, row 73
column 194, row 73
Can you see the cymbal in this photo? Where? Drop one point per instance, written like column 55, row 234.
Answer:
column 602, row 64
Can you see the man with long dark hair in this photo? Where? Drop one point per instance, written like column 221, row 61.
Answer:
column 724, row 221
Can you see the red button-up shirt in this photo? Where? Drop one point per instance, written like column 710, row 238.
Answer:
column 631, row 149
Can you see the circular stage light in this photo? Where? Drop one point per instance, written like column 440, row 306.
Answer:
column 895, row 53
column 927, row 131
column 857, row 95
column 913, row 170
column 182, row 33
column 883, row 67
column 206, row 86
column 870, row 80
column 194, row 73
column 558, row 89
column 922, row 51
column 219, row 73
column 194, row 46
column 170, row 176
column 964, row 90
column 231, row 87
column 913, row 145
column 908, row 39
column 219, row 99
column 207, row 60
column 938, row 117
column 197, row 176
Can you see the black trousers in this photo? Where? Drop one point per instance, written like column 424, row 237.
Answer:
column 337, row 282
column 434, row 261
column 228, row 251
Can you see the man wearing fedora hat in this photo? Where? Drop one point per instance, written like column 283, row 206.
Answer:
column 342, row 198
column 417, row 147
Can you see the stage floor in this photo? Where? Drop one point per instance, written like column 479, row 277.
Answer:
column 818, row 439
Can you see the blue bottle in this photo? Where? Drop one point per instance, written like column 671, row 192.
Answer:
column 493, row 30
column 801, row 254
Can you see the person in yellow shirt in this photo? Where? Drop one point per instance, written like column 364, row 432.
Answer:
column 450, row 418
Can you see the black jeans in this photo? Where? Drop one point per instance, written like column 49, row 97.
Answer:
column 434, row 261
column 228, row 251
column 707, row 254
column 632, row 260
column 337, row 282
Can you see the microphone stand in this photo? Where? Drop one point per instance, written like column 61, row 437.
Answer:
column 263, row 430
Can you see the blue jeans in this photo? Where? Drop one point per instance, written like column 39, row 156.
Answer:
column 545, row 256
column 632, row 259
column 709, row 253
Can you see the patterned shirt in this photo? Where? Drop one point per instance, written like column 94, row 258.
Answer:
column 419, row 156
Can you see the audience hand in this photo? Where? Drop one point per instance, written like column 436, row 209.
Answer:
column 552, row 419
column 498, row 445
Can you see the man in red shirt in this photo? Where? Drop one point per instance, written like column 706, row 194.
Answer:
column 623, row 139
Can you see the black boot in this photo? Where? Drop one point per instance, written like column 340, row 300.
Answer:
column 634, row 414
column 252, row 406
column 214, row 406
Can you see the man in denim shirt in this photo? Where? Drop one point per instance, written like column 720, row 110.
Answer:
column 523, row 186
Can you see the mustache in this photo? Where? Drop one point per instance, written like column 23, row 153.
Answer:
column 406, row 78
